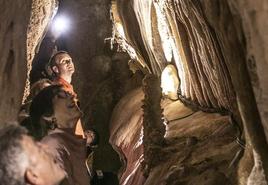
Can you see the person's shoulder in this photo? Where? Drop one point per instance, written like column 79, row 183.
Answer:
column 54, row 139
column 55, row 144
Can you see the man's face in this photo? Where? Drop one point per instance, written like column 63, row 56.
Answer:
column 64, row 64
column 66, row 110
column 46, row 170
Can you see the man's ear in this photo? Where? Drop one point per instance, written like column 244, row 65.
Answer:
column 55, row 69
column 32, row 177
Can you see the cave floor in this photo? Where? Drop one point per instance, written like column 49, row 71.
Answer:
column 200, row 148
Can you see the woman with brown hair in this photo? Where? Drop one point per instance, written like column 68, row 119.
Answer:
column 54, row 114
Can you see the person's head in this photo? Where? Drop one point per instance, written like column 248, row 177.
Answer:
column 53, row 107
column 60, row 65
column 24, row 161
column 35, row 89
column 38, row 86
column 92, row 137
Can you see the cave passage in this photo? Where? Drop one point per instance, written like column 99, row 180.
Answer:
column 191, row 113
column 175, row 91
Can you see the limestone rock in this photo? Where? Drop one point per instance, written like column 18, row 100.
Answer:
column 22, row 26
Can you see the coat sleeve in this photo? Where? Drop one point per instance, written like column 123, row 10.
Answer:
column 56, row 148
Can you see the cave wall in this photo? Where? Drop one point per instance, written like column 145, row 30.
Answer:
column 206, row 34
column 22, row 25
column 254, row 26
column 176, row 32
column 252, row 16
column 42, row 13
column 193, row 151
column 230, row 21
column 126, row 136
column 222, row 54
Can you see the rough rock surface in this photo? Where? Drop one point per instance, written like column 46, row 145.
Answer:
column 199, row 147
column 243, row 32
column 41, row 15
column 20, row 30
column 126, row 136
column 185, row 39
column 219, row 48
column 253, row 17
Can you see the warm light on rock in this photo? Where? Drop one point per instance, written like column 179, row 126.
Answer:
column 170, row 82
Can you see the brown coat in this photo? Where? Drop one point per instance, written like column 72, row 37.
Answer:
column 70, row 151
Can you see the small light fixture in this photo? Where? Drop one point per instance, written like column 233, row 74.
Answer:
column 60, row 24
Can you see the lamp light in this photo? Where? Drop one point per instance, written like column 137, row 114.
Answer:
column 170, row 82
column 60, row 24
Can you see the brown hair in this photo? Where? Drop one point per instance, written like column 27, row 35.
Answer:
column 51, row 63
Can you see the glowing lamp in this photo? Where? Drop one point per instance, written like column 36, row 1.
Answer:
column 170, row 82
column 60, row 24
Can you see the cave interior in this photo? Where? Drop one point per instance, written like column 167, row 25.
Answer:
column 177, row 90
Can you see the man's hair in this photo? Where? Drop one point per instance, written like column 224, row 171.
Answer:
column 38, row 86
column 12, row 156
column 51, row 63
column 42, row 105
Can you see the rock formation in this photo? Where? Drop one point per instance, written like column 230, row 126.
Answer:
column 22, row 27
column 214, row 133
